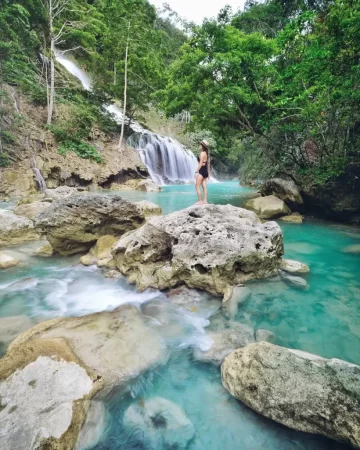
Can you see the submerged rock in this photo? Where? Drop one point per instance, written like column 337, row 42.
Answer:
column 355, row 249
column 74, row 224
column 268, row 207
column 158, row 423
column 31, row 210
column 240, row 295
column 94, row 426
column 37, row 402
column 291, row 266
column 296, row 282
column 208, row 247
column 15, row 229
column 7, row 261
column 297, row 389
column 12, row 326
column 285, row 190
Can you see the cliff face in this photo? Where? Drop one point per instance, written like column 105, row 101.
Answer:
column 31, row 145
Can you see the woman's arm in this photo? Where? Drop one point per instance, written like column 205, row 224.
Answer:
column 201, row 161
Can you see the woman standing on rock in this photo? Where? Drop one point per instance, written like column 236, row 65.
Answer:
column 203, row 172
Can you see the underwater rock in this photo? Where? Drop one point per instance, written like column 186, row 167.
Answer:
column 158, row 423
column 148, row 186
column 37, row 402
column 15, row 229
column 354, row 249
column 7, row 261
column 240, row 295
column 31, row 210
column 45, row 251
column 74, row 224
column 268, row 207
column 225, row 342
column 12, row 326
column 293, row 218
column 94, row 426
column 296, row 282
column 300, row 390
column 264, row 335
column 285, row 190
column 149, row 208
column 207, row 247
column 291, row 266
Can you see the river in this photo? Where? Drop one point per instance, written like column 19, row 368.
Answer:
column 323, row 319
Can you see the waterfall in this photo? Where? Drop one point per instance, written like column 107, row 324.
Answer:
column 166, row 159
column 40, row 179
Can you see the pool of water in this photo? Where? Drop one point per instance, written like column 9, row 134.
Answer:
column 322, row 318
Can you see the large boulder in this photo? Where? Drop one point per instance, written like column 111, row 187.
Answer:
column 285, row 190
column 209, row 247
column 15, row 229
column 148, row 186
column 51, row 371
column 300, row 390
column 31, row 210
column 74, row 224
column 268, row 207
column 158, row 423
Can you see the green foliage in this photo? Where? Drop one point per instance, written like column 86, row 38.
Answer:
column 82, row 149
column 4, row 159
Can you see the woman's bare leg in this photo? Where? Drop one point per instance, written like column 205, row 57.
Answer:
column 204, row 186
column 199, row 180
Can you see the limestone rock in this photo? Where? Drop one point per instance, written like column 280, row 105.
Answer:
column 264, row 335
column 225, row 342
column 100, row 254
column 291, row 266
column 208, row 247
column 159, row 423
column 31, row 210
column 148, row 186
column 60, row 192
column 297, row 389
column 293, row 218
column 296, row 282
column 45, row 251
column 285, row 190
column 15, row 229
column 126, row 186
column 74, row 224
column 268, row 207
column 37, row 402
column 240, row 295
column 149, row 208
column 7, row 261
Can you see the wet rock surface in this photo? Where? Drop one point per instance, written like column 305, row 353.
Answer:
column 297, row 389
column 7, row 261
column 74, row 224
column 291, row 266
column 209, row 247
column 285, row 190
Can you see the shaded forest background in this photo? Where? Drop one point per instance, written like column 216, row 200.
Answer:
column 274, row 88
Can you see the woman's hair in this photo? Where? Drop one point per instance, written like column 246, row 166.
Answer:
column 204, row 149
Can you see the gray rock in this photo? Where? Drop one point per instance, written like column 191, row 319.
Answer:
column 7, row 261
column 158, row 423
column 264, row 335
column 74, row 224
column 296, row 282
column 225, row 342
column 208, row 247
column 148, row 186
column 37, row 402
column 31, row 210
column 15, row 229
column 269, row 207
column 240, row 295
column 285, row 190
column 60, row 193
column 291, row 266
column 300, row 390
column 149, row 208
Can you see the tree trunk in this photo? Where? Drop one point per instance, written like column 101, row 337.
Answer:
column 125, row 91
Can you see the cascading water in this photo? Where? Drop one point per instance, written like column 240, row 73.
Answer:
column 40, row 179
column 166, row 159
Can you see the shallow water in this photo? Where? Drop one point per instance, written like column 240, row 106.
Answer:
column 322, row 319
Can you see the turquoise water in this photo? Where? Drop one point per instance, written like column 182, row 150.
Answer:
column 323, row 319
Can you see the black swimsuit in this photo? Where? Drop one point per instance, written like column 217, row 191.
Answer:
column 204, row 170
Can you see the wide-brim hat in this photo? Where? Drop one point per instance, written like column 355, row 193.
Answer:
column 205, row 144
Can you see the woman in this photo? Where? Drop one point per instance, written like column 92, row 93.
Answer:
column 203, row 172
